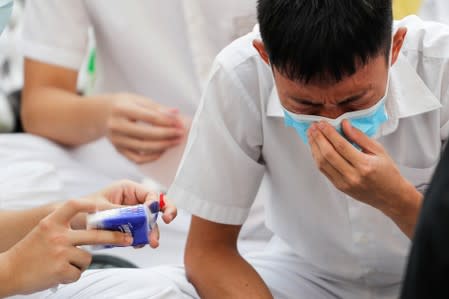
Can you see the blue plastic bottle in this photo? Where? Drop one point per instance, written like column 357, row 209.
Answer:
column 136, row 220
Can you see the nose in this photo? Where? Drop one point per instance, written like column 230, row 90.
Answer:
column 332, row 112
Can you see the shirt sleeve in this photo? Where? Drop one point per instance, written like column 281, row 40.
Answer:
column 55, row 32
column 220, row 173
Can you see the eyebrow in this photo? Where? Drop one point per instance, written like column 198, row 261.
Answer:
column 343, row 102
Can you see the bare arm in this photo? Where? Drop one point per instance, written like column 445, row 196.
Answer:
column 139, row 128
column 405, row 210
column 52, row 108
column 6, row 270
column 214, row 265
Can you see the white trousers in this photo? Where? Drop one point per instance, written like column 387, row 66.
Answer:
column 284, row 272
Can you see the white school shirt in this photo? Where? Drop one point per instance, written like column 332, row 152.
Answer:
column 238, row 135
column 162, row 50
column 435, row 10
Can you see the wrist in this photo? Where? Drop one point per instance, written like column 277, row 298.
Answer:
column 103, row 107
column 405, row 208
column 410, row 200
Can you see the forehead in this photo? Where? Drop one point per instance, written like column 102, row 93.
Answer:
column 368, row 76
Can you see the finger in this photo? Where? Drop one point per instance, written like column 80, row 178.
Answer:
column 327, row 169
column 124, row 192
column 154, row 236
column 340, row 144
column 141, row 131
column 151, row 115
column 368, row 145
column 103, row 203
column 70, row 209
column 158, row 108
column 80, row 258
column 329, row 151
column 99, row 237
column 169, row 212
column 128, row 193
column 70, row 274
column 139, row 158
column 146, row 146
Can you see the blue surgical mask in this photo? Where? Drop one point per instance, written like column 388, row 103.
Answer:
column 368, row 120
column 5, row 13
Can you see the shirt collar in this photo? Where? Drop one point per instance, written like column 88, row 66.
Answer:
column 409, row 91
column 407, row 96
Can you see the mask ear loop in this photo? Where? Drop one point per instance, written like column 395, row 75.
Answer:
column 387, row 88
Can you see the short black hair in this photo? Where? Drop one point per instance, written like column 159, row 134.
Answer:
column 324, row 39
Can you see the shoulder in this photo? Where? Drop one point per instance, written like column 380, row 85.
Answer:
column 429, row 39
column 426, row 49
column 242, row 62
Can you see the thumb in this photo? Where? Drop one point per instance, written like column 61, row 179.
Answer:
column 356, row 136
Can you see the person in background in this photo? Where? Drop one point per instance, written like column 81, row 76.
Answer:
column 435, row 10
column 40, row 247
column 152, row 61
column 149, row 72
column 430, row 10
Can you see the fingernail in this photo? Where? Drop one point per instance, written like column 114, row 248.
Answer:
column 129, row 239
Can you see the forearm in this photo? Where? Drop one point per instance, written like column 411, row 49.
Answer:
column 20, row 223
column 223, row 273
column 405, row 211
column 63, row 116
column 6, row 277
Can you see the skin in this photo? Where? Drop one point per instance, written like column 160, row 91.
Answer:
column 211, row 246
column 55, row 232
column 369, row 176
column 140, row 129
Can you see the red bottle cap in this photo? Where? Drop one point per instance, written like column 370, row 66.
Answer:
column 162, row 201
